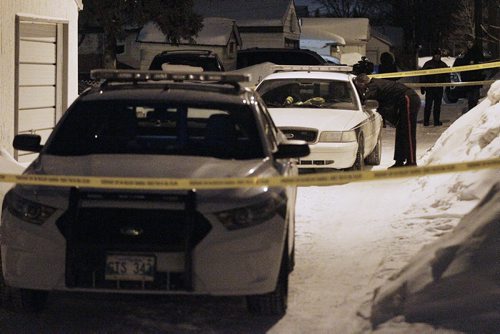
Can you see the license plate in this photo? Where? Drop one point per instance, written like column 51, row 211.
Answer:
column 130, row 267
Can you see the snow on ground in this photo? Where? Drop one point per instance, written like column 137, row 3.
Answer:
column 350, row 239
column 358, row 235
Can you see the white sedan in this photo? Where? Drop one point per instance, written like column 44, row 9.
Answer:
column 324, row 108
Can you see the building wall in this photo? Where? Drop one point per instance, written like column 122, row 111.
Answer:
column 352, row 53
column 49, row 9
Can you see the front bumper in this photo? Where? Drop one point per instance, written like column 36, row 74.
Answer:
column 330, row 155
column 239, row 262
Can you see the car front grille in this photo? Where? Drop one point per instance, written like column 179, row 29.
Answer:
column 308, row 135
column 93, row 232
column 315, row 162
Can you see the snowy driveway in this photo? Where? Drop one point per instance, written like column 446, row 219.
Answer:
column 350, row 239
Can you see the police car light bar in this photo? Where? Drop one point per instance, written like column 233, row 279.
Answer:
column 309, row 68
column 137, row 75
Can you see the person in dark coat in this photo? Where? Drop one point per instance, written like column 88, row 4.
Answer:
column 433, row 95
column 399, row 105
column 472, row 56
column 387, row 65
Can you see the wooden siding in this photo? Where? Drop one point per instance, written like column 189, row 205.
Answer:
column 35, row 66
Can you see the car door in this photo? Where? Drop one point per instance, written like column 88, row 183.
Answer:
column 286, row 167
column 371, row 130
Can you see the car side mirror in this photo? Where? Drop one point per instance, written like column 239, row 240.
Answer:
column 27, row 142
column 292, row 149
column 371, row 104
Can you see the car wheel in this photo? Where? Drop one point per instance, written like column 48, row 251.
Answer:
column 275, row 302
column 21, row 300
column 375, row 157
column 449, row 96
column 359, row 163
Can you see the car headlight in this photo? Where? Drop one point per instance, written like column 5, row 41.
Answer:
column 337, row 136
column 254, row 214
column 27, row 210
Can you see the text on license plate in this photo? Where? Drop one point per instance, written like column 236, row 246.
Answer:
column 130, row 267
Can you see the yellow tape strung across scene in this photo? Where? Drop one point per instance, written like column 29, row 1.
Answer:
column 320, row 179
column 436, row 71
column 446, row 84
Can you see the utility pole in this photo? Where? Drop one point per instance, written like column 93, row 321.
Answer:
column 493, row 19
column 478, row 22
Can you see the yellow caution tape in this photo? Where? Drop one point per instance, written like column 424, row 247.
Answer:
column 320, row 179
column 437, row 70
column 452, row 84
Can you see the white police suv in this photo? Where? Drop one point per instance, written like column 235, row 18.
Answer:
column 155, row 124
column 320, row 104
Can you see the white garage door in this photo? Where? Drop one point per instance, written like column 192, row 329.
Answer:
column 38, row 88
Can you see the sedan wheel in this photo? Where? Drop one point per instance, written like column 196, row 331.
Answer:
column 375, row 157
column 275, row 302
column 359, row 163
column 21, row 300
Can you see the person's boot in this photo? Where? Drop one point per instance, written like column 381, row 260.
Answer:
column 438, row 123
column 399, row 163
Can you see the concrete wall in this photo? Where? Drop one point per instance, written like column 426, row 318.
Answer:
column 48, row 9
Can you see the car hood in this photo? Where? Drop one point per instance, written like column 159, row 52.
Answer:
column 321, row 119
column 154, row 167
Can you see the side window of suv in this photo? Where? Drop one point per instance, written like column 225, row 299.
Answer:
column 278, row 56
column 207, row 61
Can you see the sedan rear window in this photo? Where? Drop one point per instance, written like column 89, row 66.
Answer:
column 111, row 127
column 306, row 93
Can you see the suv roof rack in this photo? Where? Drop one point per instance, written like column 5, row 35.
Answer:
column 193, row 51
column 312, row 68
column 154, row 75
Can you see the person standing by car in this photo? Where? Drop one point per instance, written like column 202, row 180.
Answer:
column 387, row 65
column 472, row 56
column 433, row 95
column 399, row 105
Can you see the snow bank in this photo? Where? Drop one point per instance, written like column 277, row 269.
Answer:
column 474, row 136
column 453, row 282
column 257, row 73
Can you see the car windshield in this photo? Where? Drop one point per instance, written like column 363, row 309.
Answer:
column 307, row 93
column 111, row 127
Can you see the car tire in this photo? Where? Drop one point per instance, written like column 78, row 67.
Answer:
column 375, row 157
column 449, row 97
column 21, row 300
column 359, row 163
column 273, row 303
